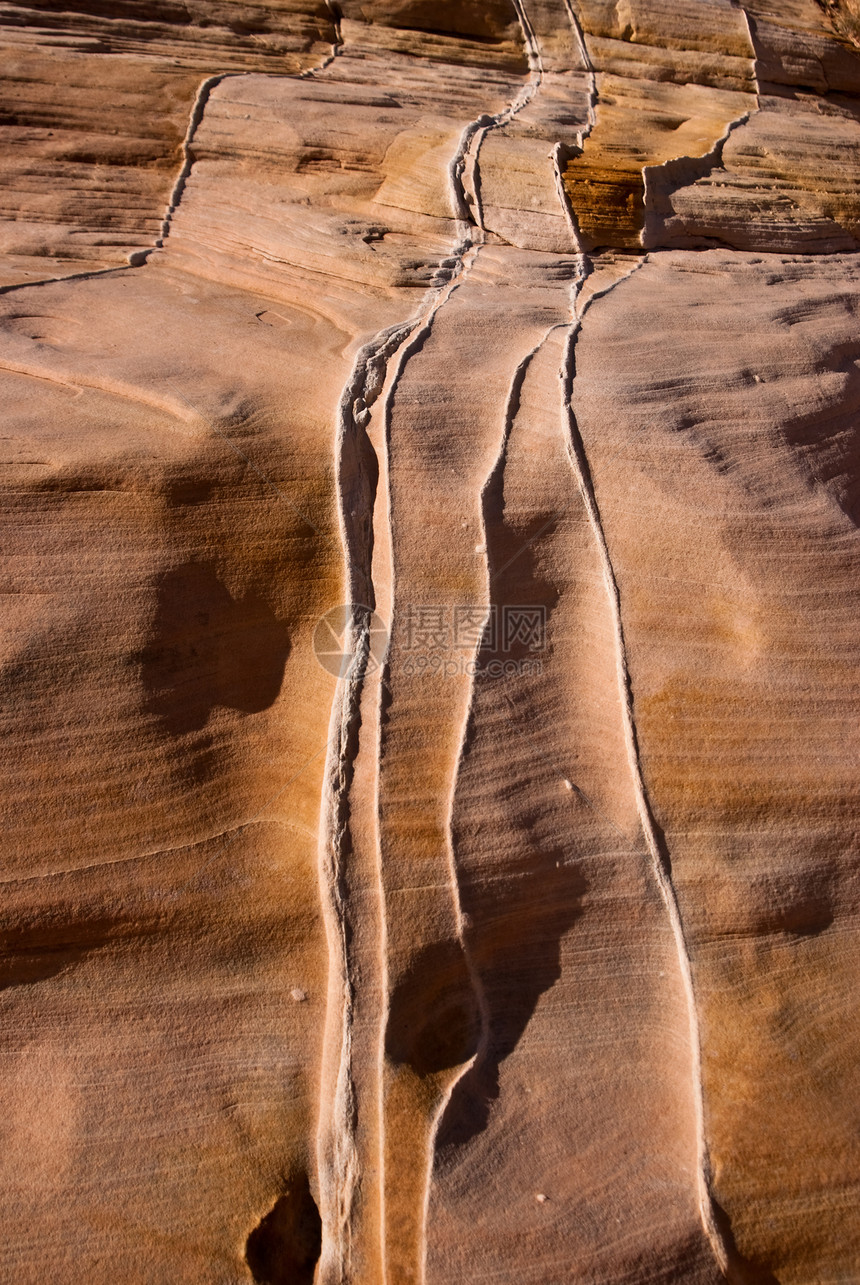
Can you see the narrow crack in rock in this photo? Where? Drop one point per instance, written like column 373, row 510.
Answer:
column 338, row 1161
column 339, row 1174
column 625, row 222
column 195, row 117
column 661, row 861
column 660, row 181
column 138, row 258
column 510, row 412
column 356, row 487
column 576, row 24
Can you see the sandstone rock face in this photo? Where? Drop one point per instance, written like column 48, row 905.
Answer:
column 430, row 658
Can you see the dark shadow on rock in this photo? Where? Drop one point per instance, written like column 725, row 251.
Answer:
column 27, row 967
column 520, row 914
column 827, row 436
column 515, row 939
column 433, row 1021
column 59, row 938
column 522, row 599
column 741, row 1270
column 207, row 649
column 517, row 582
column 285, row 1246
column 485, row 21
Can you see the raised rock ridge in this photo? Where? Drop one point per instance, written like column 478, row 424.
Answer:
column 501, row 927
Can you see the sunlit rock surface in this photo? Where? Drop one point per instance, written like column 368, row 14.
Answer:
column 502, row 927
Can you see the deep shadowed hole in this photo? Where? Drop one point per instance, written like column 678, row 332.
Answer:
column 284, row 1248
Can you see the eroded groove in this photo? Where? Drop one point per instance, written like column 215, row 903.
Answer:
column 336, row 45
column 357, row 477
column 754, row 50
column 357, row 474
column 628, row 216
column 561, row 154
column 75, row 276
column 465, row 181
column 198, row 107
column 511, row 407
column 682, row 171
column 493, row 479
column 532, row 46
column 465, row 168
column 195, row 118
column 654, row 838
column 560, row 157
column 138, row 258
column 472, row 972
column 587, row 63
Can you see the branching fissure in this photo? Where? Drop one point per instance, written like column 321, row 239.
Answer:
column 358, row 470
column 512, row 405
column 338, row 1156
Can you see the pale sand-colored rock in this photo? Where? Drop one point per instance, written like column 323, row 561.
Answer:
column 749, row 755
column 542, row 972
column 96, row 104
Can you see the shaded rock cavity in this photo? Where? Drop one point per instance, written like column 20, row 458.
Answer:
column 284, row 1247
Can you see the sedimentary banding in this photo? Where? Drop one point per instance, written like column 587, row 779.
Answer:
column 653, row 837
column 522, row 952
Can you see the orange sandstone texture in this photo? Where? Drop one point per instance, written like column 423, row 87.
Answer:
column 518, row 945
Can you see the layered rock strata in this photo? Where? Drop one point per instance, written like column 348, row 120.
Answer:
column 430, row 655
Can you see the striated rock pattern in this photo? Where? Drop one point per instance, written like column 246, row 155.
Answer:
column 430, row 659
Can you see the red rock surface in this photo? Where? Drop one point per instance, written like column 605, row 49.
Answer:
column 519, row 945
